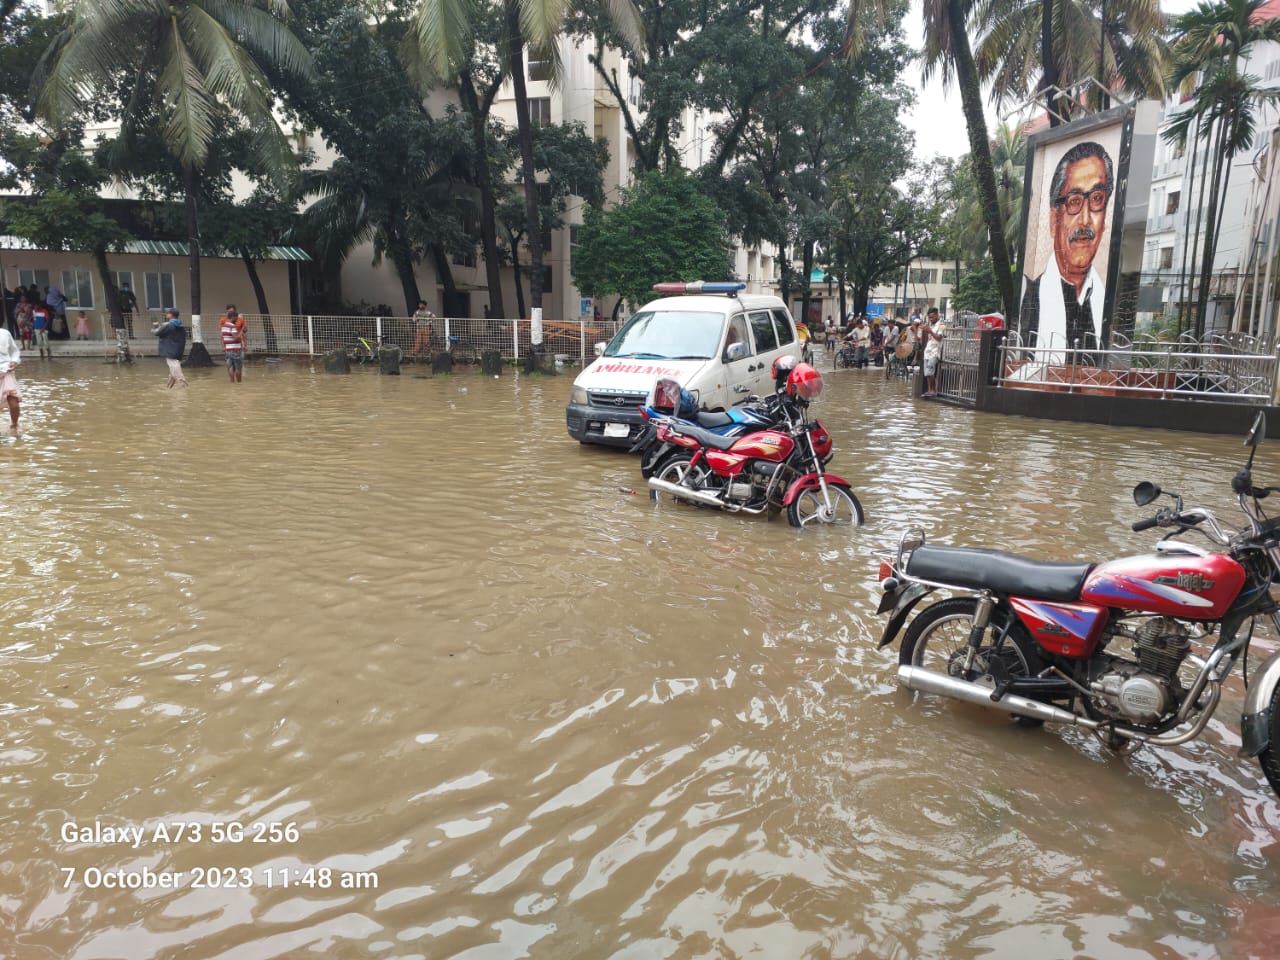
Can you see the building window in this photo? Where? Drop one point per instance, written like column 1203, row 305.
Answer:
column 539, row 69
column 540, row 111
column 123, row 279
column 38, row 277
column 635, row 89
column 465, row 258
column 573, row 237
column 1166, row 258
column 949, row 276
column 159, row 293
column 923, row 275
column 77, row 287
column 1172, row 201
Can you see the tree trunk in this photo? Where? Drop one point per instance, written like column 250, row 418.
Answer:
column 1222, row 162
column 980, row 147
column 445, row 272
column 515, row 61
column 199, row 355
column 488, row 214
column 808, row 271
column 1048, row 63
column 515, row 266
column 260, row 294
column 402, row 258
column 113, row 304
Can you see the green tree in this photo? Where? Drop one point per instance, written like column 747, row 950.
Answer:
column 442, row 28
column 1030, row 46
column 1211, row 43
column 977, row 289
column 184, row 62
column 947, row 49
column 664, row 228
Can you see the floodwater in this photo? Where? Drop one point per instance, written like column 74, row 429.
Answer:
column 391, row 667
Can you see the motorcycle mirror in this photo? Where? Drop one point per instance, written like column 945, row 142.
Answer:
column 1258, row 431
column 1145, row 493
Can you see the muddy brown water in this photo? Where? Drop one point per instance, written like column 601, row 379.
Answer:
column 391, row 667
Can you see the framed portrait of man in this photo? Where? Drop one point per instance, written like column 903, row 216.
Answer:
column 1072, row 219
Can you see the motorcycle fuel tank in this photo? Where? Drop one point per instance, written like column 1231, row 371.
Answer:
column 762, row 445
column 1188, row 586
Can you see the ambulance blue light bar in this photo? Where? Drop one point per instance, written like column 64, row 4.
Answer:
column 700, row 286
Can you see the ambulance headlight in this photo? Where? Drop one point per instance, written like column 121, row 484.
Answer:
column 578, row 395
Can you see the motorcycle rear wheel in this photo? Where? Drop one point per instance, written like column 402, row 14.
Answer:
column 1270, row 757
column 939, row 636
column 679, row 469
column 808, row 508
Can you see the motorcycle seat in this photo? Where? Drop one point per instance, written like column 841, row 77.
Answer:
column 708, row 419
column 706, row 437
column 1004, row 573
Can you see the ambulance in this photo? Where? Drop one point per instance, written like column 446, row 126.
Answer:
column 716, row 341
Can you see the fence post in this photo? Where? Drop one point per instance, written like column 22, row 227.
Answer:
column 1075, row 358
column 1164, row 381
column 446, row 335
column 515, row 339
column 311, row 337
column 582, row 343
column 377, row 330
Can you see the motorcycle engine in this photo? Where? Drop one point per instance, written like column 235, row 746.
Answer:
column 1145, row 691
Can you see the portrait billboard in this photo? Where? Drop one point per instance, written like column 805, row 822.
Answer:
column 1072, row 223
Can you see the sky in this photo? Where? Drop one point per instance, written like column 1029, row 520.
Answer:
column 937, row 120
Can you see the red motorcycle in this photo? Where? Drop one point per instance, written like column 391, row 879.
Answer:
column 765, row 471
column 1105, row 646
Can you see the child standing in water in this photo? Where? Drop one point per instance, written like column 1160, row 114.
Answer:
column 82, row 326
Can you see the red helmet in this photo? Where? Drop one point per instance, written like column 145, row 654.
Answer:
column 804, row 383
column 782, row 368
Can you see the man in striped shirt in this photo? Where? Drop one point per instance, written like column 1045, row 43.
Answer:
column 232, row 327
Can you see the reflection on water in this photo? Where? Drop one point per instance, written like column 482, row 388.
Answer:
column 416, row 677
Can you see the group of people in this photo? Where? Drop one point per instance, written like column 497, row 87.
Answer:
column 35, row 317
column 914, row 343
column 172, row 343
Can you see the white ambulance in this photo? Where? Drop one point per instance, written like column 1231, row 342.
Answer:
column 719, row 344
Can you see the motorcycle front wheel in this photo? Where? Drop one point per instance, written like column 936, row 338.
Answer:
column 808, row 508
column 938, row 638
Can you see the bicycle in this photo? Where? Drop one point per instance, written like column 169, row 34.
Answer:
column 365, row 350
column 460, row 351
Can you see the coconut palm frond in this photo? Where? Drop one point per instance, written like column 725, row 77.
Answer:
column 187, row 107
column 442, row 29
column 264, row 32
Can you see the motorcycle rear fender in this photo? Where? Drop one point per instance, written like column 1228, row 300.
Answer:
column 903, row 600
column 811, row 480
column 1255, row 719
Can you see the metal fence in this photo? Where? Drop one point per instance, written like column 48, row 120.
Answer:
column 1233, row 367
column 313, row 335
column 958, row 367
column 466, row 337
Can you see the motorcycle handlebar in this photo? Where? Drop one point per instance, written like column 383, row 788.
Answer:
column 1146, row 524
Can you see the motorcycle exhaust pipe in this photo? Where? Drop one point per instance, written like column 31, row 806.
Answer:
column 930, row 681
column 697, row 496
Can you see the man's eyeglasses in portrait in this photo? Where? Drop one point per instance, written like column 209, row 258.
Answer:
column 1074, row 201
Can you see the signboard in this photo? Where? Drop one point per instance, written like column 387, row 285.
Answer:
column 1072, row 218
column 875, row 309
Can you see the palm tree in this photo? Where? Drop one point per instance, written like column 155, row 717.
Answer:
column 1009, row 160
column 443, row 27
column 1211, row 43
column 1029, row 46
column 185, row 61
column 947, row 49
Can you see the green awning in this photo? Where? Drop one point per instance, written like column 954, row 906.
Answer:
column 169, row 248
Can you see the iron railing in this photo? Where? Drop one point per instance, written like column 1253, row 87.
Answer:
column 467, row 337
column 1220, row 368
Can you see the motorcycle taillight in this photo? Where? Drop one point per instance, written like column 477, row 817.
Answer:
column 886, row 571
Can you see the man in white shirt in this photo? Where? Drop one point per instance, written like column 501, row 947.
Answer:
column 10, row 357
column 933, row 331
